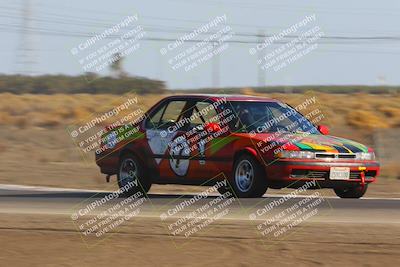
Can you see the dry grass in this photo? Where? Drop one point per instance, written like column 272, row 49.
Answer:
column 359, row 111
column 54, row 110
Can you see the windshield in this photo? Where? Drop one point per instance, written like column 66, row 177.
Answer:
column 261, row 117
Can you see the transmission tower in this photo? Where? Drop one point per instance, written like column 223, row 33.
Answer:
column 24, row 55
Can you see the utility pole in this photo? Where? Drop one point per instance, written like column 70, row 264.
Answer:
column 260, row 56
column 215, row 67
column 24, row 54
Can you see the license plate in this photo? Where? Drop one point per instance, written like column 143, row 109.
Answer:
column 339, row 173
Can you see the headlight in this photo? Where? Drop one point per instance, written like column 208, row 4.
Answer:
column 365, row 155
column 296, row 154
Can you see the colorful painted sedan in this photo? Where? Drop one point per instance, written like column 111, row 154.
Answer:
column 252, row 143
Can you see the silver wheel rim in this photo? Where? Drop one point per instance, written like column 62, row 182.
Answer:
column 127, row 172
column 244, row 175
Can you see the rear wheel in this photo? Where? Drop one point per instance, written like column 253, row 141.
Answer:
column 351, row 191
column 249, row 180
column 131, row 176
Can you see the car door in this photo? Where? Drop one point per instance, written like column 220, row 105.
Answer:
column 164, row 128
column 205, row 163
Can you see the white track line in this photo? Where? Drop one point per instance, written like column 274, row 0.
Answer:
column 45, row 188
column 59, row 189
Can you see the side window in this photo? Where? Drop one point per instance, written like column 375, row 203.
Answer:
column 154, row 120
column 203, row 112
column 166, row 115
column 277, row 113
column 291, row 123
column 172, row 112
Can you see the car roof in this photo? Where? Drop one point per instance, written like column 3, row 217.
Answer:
column 216, row 97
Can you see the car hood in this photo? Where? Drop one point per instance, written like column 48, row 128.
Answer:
column 311, row 142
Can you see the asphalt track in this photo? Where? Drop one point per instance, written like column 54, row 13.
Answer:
column 16, row 199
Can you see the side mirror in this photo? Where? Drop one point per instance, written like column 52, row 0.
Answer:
column 212, row 127
column 323, row 129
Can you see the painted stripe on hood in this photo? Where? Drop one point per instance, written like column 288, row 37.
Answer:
column 342, row 149
column 357, row 146
column 353, row 149
column 303, row 146
column 319, row 147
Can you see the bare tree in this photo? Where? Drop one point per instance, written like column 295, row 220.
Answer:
column 116, row 66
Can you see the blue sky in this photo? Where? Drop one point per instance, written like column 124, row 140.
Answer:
column 368, row 62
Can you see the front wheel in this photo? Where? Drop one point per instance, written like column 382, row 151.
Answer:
column 351, row 191
column 249, row 180
column 131, row 176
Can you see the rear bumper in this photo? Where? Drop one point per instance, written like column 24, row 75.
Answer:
column 108, row 163
column 290, row 171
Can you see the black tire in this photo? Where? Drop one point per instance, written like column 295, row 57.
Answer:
column 255, row 185
column 351, row 191
column 131, row 169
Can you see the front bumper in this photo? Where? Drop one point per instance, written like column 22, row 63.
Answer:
column 290, row 170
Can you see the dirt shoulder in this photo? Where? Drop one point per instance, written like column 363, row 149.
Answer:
column 52, row 241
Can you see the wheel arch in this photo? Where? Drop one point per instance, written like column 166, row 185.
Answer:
column 250, row 152
column 129, row 150
column 246, row 151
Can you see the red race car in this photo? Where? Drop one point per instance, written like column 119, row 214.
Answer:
column 251, row 142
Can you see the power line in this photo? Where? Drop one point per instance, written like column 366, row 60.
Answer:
column 180, row 20
column 152, row 28
column 292, row 8
column 157, row 39
column 153, row 39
